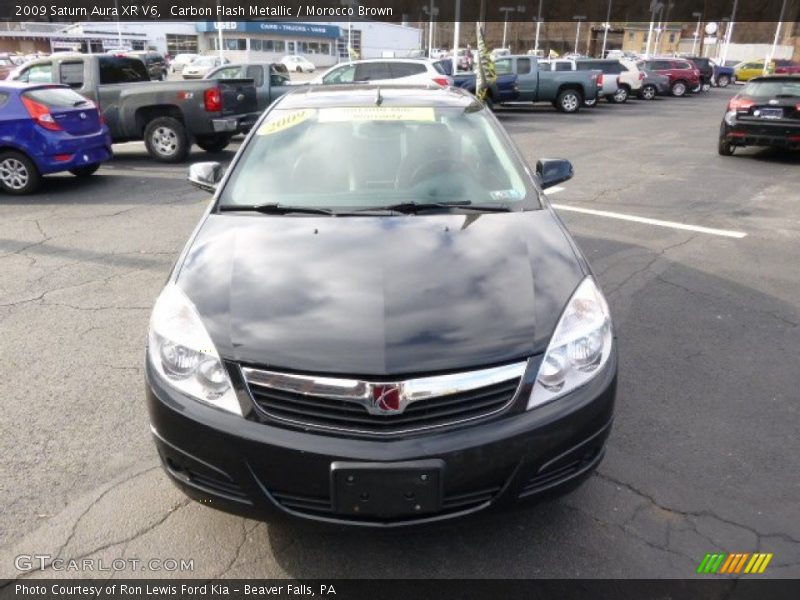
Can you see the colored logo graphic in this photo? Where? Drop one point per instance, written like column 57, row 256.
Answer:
column 727, row 564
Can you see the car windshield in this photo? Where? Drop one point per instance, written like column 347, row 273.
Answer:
column 772, row 88
column 206, row 61
column 359, row 157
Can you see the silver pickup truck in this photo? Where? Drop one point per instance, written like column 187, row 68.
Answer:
column 168, row 115
column 566, row 90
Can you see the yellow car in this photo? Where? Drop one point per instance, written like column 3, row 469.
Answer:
column 745, row 71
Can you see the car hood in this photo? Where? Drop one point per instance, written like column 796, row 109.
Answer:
column 380, row 295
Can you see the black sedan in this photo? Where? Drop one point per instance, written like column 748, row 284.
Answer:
column 765, row 113
column 380, row 321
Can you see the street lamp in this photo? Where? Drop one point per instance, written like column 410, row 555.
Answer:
column 506, row 10
column 699, row 16
column 606, row 27
column 729, row 33
column 431, row 12
column 655, row 6
column 538, row 20
column 456, row 35
column 579, row 19
column 771, row 54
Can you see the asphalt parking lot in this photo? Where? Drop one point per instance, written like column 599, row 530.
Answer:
column 698, row 255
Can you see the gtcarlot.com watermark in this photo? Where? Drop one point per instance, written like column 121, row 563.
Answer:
column 41, row 562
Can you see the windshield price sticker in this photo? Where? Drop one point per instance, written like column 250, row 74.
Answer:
column 376, row 113
column 285, row 122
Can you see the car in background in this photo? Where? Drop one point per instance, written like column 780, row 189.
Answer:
column 169, row 116
column 745, row 71
column 623, row 72
column 683, row 75
column 154, row 62
column 202, row 65
column 654, row 84
column 706, row 68
column 271, row 80
column 48, row 129
column 786, row 67
column 297, row 63
column 503, row 89
column 565, row 90
column 380, row 321
column 407, row 71
column 180, row 61
column 7, row 65
column 765, row 113
column 723, row 76
column 606, row 86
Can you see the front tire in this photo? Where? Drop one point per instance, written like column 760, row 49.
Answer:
column 723, row 81
column 678, row 89
column 18, row 174
column 214, row 143
column 166, row 140
column 569, row 101
column 87, row 171
column 648, row 92
column 725, row 148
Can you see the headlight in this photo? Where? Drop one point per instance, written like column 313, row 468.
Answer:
column 730, row 117
column 580, row 346
column 182, row 353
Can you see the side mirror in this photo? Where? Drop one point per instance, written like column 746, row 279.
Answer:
column 206, row 175
column 552, row 171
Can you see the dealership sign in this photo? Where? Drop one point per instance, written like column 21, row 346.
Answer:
column 287, row 29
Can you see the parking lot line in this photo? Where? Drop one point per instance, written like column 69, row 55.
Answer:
column 656, row 222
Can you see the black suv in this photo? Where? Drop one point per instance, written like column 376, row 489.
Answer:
column 155, row 63
column 706, row 69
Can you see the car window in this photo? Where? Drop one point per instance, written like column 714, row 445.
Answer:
column 377, row 155
column 121, row 69
column 503, row 66
column 228, row 73
column 683, row 65
column 71, row 73
column 41, row 73
column 58, row 97
column 772, row 88
column 662, row 65
column 256, row 73
column 443, row 67
column 585, row 65
column 340, row 75
column 563, row 66
column 523, row 66
column 401, row 69
column 373, row 71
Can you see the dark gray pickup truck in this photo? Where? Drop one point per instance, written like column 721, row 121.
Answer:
column 272, row 80
column 168, row 115
column 566, row 90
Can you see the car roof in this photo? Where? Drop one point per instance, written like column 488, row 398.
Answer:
column 424, row 61
column 779, row 77
column 354, row 95
column 12, row 84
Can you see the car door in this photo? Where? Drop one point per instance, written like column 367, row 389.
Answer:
column 527, row 81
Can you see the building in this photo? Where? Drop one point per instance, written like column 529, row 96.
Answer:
column 324, row 44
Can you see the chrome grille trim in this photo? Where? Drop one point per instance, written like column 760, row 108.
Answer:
column 359, row 393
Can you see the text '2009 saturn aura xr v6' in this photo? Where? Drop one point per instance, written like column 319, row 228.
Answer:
column 380, row 320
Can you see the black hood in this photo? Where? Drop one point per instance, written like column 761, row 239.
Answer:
column 380, row 295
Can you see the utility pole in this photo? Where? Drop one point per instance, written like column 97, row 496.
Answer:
column 729, row 33
column 456, row 34
column 771, row 54
column 538, row 26
column 606, row 27
column 506, row 10
column 579, row 19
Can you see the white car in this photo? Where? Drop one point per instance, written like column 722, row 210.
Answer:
column 297, row 63
column 411, row 71
column 202, row 65
column 180, row 61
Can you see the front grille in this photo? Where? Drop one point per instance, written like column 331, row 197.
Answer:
column 340, row 415
column 317, row 506
column 553, row 476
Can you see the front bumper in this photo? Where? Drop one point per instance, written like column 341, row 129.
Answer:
column 266, row 472
column 762, row 132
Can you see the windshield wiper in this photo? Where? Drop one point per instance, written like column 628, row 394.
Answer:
column 276, row 209
column 412, row 208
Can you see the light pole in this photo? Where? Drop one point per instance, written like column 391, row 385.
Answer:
column 771, row 54
column 579, row 19
column 729, row 33
column 432, row 12
column 699, row 16
column 606, row 27
column 506, row 10
column 538, row 26
column 119, row 27
column 456, row 34
column 655, row 6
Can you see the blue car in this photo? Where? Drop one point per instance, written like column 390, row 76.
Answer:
column 723, row 76
column 47, row 129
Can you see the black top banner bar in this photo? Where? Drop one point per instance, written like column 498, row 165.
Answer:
column 400, row 10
